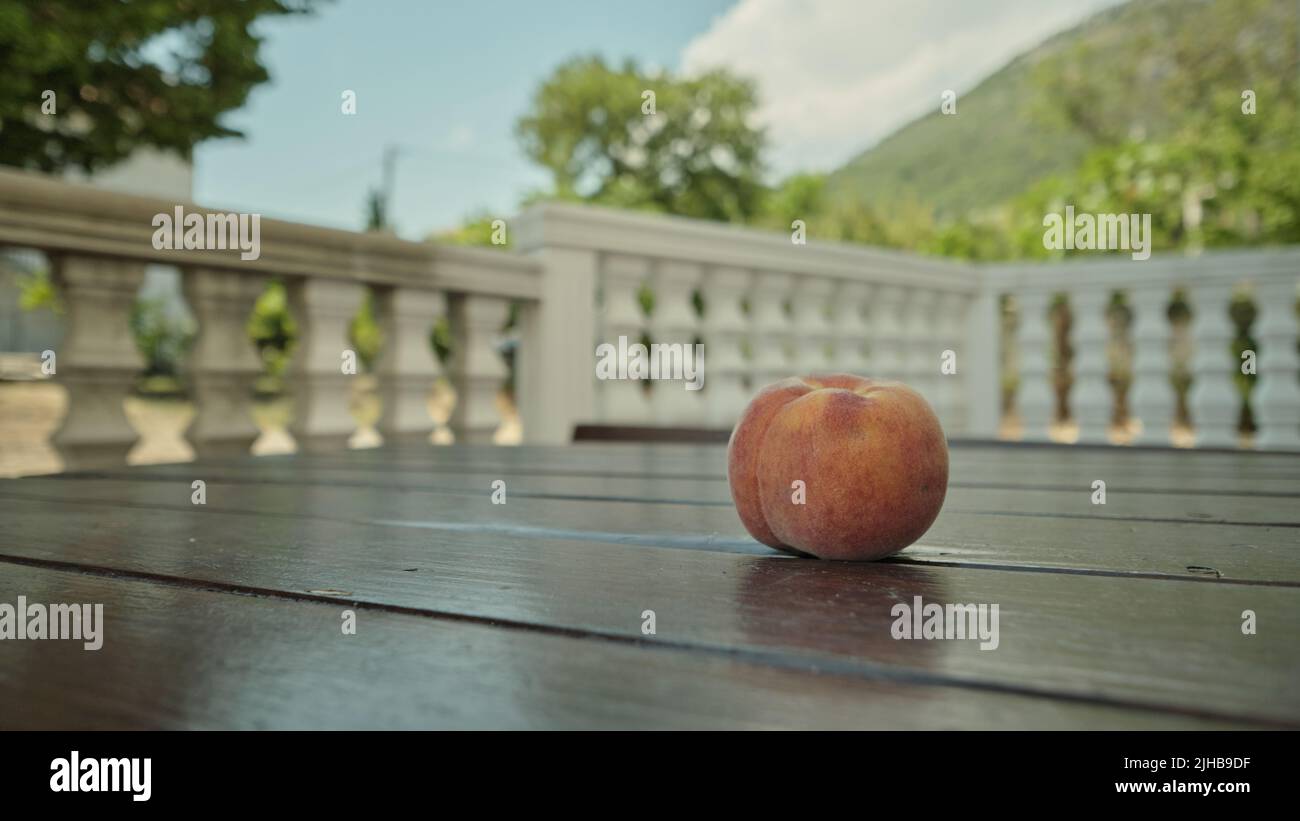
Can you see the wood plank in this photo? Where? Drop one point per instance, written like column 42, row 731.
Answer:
column 1199, row 550
column 1165, row 645
column 1171, row 472
column 1253, row 511
column 175, row 657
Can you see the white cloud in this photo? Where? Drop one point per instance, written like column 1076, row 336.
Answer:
column 835, row 76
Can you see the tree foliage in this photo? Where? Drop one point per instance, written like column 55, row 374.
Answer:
column 690, row 149
column 154, row 73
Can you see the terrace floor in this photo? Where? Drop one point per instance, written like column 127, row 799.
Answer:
column 531, row 614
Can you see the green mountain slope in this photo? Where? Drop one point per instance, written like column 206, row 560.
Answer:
column 1135, row 70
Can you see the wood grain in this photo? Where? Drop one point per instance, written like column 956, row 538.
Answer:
column 1165, row 645
column 1125, row 504
column 1199, row 550
column 176, row 657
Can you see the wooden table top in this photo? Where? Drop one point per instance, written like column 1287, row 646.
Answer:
column 530, row 614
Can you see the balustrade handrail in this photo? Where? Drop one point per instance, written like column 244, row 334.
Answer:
column 54, row 215
column 673, row 238
column 1168, row 268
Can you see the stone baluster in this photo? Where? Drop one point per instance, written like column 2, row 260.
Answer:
column 97, row 361
column 1091, row 402
column 725, row 331
column 675, row 322
column 1277, row 396
column 407, row 368
column 477, row 371
column 322, row 390
column 951, row 330
column 980, row 361
column 1214, row 401
column 888, row 344
column 849, row 329
column 922, row 344
column 223, row 364
column 1036, row 396
column 622, row 401
column 770, row 329
column 1152, row 394
column 813, row 336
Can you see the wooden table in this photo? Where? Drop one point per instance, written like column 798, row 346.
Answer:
column 530, row 614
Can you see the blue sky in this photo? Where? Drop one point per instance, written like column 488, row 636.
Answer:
column 445, row 81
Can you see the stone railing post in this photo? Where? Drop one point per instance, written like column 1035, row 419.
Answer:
column 810, row 305
column 322, row 391
column 770, row 328
column 849, row 326
column 98, row 361
column 407, row 367
column 922, row 344
column 1277, row 397
column 1214, row 401
column 622, row 401
column 675, row 322
column 979, row 362
column 951, row 327
column 888, row 346
column 1091, row 401
column 477, row 370
column 555, row 366
column 725, row 330
column 223, row 363
column 1035, row 398
column 1152, row 394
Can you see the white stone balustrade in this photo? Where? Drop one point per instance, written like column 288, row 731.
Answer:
column 725, row 330
column 1035, row 396
column 576, row 273
column 407, row 367
column 813, row 337
column 324, row 365
column 477, row 369
column 1209, row 283
column 622, row 316
column 1215, row 403
column 675, row 322
column 771, row 328
column 888, row 327
column 921, row 343
column 1151, row 394
column 223, row 364
column 1277, row 393
column 1090, row 394
column 951, row 320
column 849, row 310
column 97, row 362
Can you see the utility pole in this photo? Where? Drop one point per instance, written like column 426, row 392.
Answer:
column 389, row 181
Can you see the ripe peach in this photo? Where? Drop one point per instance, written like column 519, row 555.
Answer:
column 871, row 455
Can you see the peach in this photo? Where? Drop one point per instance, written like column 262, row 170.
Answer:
column 871, row 455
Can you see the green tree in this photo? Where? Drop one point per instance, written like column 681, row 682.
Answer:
column 146, row 73
column 476, row 229
column 695, row 154
column 798, row 197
